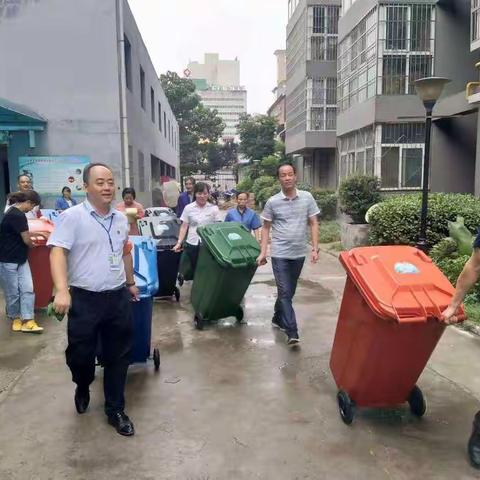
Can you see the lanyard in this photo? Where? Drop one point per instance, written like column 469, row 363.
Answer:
column 105, row 228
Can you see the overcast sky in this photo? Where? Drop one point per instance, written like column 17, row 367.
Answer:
column 176, row 31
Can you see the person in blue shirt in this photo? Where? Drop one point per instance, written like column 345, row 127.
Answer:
column 244, row 215
column 65, row 201
column 186, row 197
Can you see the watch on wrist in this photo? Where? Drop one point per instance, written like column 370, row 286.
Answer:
column 316, row 250
column 130, row 284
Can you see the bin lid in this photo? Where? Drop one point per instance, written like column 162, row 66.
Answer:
column 231, row 244
column 163, row 229
column 399, row 282
column 37, row 225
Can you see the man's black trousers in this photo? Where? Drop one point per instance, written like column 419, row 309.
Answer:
column 104, row 317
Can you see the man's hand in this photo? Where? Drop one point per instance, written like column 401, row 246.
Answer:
column 177, row 248
column 449, row 316
column 134, row 292
column 314, row 257
column 261, row 260
column 62, row 302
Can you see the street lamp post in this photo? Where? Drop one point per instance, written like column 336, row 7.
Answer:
column 429, row 90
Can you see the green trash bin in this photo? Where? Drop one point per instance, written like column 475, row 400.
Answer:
column 226, row 266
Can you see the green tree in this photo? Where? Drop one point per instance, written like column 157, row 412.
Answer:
column 257, row 136
column 199, row 126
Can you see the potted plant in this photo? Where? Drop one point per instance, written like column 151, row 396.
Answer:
column 357, row 194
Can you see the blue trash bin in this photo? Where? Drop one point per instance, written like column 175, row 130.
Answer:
column 146, row 277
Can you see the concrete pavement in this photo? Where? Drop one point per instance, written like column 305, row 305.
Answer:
column 233, row 402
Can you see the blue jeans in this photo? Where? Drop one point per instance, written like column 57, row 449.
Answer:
column 17, row 285
column 286, row 272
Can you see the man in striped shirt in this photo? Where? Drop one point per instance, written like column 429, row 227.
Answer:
column 287, row 215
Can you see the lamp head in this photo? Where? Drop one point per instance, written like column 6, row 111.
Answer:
column 429, row 89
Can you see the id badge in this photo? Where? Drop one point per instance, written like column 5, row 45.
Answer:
column 114, row 260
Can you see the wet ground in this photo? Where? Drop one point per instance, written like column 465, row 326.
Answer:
column 233, row 402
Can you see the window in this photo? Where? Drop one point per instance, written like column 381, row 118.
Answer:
column 128, row 62
column 394, row 74
column 152, row 104
column 357, row 63
column 396, row 28
column 412, row 164
column 159, row 116
column 407, row 36
column 169, row 132
column 402, row 155
column 356, row 152
column 141, row 172
column 130, row 166
column 390, row 170
column 142, row 88
column 475, row 27
column 322, row 104
column 165, row 124
column 323, row 32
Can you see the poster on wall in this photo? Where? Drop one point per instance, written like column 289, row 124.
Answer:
column 49, row 174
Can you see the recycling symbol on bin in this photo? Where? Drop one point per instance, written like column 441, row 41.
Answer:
column 406, row 268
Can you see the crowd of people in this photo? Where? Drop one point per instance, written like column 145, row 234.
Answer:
column 92, row 266
column 92, row 269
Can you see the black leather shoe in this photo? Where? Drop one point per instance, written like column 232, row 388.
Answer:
column 82, row 399
column 122, row 424
column 474, row 443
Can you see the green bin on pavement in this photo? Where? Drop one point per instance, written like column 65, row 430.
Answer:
column 226, row 266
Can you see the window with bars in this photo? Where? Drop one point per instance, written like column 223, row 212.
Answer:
column 128, row 62
column 406, row 47
column 321, row 103
column 475, row 27
column 356, row 153
column 357, row 63
column 323, row 32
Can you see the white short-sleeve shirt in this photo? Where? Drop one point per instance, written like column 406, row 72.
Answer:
column 195, row 216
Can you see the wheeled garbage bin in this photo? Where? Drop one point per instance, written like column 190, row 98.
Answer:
column 225, row 268
column 388, row 327
column 164, row 229
column 39, row 261
column 145, row 271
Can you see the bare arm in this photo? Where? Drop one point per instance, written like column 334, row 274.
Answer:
column 465, row 282
column 262, row 259
column 128, row 263
column 181, row 237
column 27, row 239
column 58, row 267
column 313, row 222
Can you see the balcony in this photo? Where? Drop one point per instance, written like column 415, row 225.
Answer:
column 473, row 90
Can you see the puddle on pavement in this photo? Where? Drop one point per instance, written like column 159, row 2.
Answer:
column 307, row 291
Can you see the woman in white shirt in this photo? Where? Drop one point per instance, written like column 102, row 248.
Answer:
column 196, row 214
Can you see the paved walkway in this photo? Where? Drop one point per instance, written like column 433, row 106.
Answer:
column 232, row 403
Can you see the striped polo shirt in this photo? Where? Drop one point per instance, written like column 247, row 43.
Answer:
column 289, row 219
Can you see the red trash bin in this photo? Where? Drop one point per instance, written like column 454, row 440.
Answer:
column 39, row 260
column 387, row 328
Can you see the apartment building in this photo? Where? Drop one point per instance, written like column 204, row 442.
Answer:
column 311, row 89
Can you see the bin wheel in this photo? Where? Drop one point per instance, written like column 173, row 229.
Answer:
column 199, row 322
column 156, row 358
column 239, row 315
column 346, row 407
column 416, row 400
column 181, row 279
column 176, row 292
